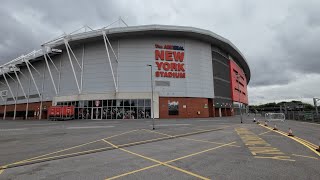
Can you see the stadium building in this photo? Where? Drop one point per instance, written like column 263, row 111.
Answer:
column 132, row 72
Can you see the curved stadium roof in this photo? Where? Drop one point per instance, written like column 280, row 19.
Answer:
column 167, row 30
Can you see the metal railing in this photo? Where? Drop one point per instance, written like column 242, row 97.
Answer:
column 308, row 116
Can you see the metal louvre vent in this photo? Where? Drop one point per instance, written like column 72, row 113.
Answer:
column 162, row 83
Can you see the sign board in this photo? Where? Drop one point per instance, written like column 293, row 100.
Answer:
column 170, row 61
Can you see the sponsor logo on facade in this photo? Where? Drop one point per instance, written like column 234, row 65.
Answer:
column 170, row 61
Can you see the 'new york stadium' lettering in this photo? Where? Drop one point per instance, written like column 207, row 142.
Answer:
column 169, row 62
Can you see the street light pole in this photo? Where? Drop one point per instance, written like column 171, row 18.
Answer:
column 152, row 108
column 315, row 100
column 238, row 75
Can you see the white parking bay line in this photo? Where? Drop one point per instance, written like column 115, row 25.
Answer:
column 40, row 124
column 89, row 127
column 172, row 125
column 16, row 129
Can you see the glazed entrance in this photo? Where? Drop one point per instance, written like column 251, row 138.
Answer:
column 110, row 108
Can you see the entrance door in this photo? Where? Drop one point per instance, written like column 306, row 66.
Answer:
column 96, row 113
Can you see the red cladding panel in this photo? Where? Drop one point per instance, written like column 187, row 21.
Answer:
column 234, row 70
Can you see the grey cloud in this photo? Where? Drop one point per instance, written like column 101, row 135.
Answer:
column 280, row 39
column 45, row 20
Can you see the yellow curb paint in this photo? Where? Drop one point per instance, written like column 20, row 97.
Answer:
column 299, row 140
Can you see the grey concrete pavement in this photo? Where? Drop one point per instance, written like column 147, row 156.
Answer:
column 218, row 148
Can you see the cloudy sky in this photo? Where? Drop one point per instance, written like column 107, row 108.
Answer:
column 280, row 39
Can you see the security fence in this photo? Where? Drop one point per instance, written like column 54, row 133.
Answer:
column 310, row 116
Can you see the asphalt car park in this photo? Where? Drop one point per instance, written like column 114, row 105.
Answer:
column 219, row 148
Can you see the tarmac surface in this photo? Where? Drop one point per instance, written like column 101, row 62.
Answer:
column 211, row 148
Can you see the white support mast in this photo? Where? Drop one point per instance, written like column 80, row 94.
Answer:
column 107, row 49
column 74, row 73
column 34, row 82
column 52, row 80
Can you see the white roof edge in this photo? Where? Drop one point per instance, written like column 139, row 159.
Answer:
column 156, row 27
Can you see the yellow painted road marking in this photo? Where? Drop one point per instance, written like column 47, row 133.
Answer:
column 307, row 142
column 299, row 140
column 159, row 162
column 62, row 150
column 259, row 148
column 264, row 133
column 39, row 158
column 201, row 152
column 188, row 138
column 210, row 142
column 44, row 158
column 311, row 157
column 177, row 159
column 281, row 158
column 132, row 172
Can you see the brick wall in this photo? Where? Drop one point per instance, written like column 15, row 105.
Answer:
column 188, row 107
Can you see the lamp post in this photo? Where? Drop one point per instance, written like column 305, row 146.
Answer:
column 315, row 100
column 238, row 75
column 152, row 108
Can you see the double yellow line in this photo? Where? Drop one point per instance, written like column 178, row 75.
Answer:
column 45, row 157
column 306, row 143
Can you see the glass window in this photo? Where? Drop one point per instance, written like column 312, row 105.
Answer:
column 120, row 112
column 105, row 103
column 85, row 103
column 96, row 103
column 147, row 102
column 119, row 102
column 140, row 112
column 134, row 102
column 141, row 102
column 134, row 113
column 113, row 113
column 114, row 102
column 104, row 113
column 81, row 113
column 126, row 102
column 173, row 108
column 59, row 103
column 109, row 113
column 127, row 113
column 147, row 112
column 90, row 103
column 76, row 111
column 80, row 104
column 109, row 103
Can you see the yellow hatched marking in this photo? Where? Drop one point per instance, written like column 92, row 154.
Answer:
column 311, row 157
column 191, row 139
column 299, row 140
column 264, row 133
column 177, row 159
column 159, row 162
